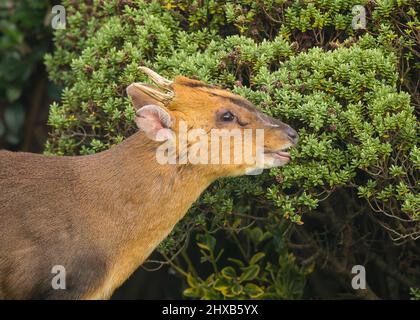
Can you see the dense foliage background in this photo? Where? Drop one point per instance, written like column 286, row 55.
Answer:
column 25, row 92
column 350, row 197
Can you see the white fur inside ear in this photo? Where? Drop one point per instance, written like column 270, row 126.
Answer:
column 155, row 121
column 163, row 115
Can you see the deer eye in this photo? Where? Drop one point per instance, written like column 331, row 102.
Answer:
column 227, row 116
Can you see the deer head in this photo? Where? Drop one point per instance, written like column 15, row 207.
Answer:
column 165, row 109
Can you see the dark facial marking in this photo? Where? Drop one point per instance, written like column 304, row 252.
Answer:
column 237, row 101
column 250, row 107
column 199, row 85
column 243, row 124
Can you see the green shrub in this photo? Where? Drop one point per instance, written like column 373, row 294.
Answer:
column 415, row 293
column 351, row 191
column 24, row 40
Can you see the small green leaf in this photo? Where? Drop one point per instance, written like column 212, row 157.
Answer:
column 229, row 273
column 253, row 290
column 203, row 246
column 206, row 242
column 237, row 261
column 257, row 257
column 190, row 292
column 237, row 289
column 221, row 284
column 249, row 273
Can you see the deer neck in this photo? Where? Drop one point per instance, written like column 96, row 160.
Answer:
column 142, row 199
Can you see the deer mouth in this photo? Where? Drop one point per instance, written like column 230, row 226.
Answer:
column 283, row 155
column 280, row 155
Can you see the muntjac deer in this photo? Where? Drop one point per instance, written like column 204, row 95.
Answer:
column 100, row 216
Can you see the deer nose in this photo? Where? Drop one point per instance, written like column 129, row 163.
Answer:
column 292, row 135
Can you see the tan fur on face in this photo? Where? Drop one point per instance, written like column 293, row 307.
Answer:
column 198, row 104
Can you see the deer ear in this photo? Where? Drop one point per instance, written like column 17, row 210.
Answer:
column 155, row 121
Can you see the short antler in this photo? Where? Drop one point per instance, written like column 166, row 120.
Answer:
column 160, row 82
column 157, row 78
column 154, row 92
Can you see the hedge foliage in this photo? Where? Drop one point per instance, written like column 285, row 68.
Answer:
column 351, row 192
column 24, row 40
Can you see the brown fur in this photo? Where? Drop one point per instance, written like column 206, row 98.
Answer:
column 101, row 215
